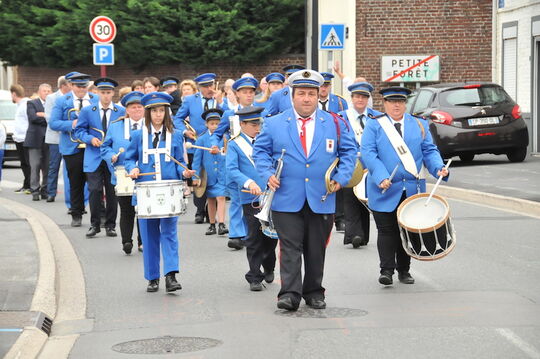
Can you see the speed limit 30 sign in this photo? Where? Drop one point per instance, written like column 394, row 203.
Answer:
column 102, row 29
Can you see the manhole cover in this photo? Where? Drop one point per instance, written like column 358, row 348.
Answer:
column 166, row 345
column 307, row 312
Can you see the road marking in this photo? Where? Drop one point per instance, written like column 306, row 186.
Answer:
column 11, row 330
column 519, row 343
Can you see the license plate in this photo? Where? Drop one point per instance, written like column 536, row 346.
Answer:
column 483, row 121
column 10, row 147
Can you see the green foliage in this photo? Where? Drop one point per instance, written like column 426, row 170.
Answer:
column 151, row 32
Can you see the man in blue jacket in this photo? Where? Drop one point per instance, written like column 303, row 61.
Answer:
column 396, row 139
column 304, row 201
column 91, row 129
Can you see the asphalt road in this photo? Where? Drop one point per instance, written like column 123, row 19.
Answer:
column 479, row 302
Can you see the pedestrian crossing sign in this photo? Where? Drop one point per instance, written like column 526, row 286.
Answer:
column 332, row 37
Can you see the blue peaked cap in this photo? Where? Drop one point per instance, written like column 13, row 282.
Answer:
column 154, row 99
column 363, row 88
column 131, row 97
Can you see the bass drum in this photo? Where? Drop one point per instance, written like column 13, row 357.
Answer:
column 426, row 231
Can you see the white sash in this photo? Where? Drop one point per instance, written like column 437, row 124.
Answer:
column 156, row 151
column 399, row 145
column 246, row 148
column 234, row 125
column 355, row 124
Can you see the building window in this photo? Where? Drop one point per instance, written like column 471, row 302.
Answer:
column 509, row 59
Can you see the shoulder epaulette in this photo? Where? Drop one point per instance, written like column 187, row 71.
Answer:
column 339, row 96
column 119, row 119
column 378, row 116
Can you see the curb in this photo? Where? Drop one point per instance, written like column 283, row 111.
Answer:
column 510, row 204
column 60, row 288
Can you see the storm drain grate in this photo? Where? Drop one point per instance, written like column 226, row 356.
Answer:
column 307, row 312
column 166, row 345
column 44, row 323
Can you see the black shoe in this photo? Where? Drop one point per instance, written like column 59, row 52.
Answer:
column 76, row 221
column 235, row 243
column 211, row 230
column 340, row 227
column 50, row 199
column 35, row 196
column 199, row 219
column 44, row 196
column 346, row 240
column 316, row 303
column 222, row 229
column 110, row 232
column 127, row 247
column 140, row 248
column 92, row 231
column 171, row 284
column 269, row 277
column 287, row 304
column 406, row 278
column 386, row 278
column 153, row 285
column 356, row 241
column 70, row 211
column 364, row 242
column 255, row 286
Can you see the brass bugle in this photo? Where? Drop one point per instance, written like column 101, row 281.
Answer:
column 181, row 164
column 190, row 128
column 81, row 143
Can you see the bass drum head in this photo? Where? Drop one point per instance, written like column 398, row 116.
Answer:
column 414, row 215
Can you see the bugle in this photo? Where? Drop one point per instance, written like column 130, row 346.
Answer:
column 101, row 132
column 81, row 144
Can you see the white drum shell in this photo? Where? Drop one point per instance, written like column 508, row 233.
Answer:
column 124, row 185
column 160, row 199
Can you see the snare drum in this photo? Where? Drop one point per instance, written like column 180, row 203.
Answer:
column 124, row 184
column 426, row 231
column 160, row 199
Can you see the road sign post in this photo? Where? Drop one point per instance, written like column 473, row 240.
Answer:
column 103, row 31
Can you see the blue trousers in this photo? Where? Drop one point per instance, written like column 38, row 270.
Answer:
column 55, row 157
column 237, row 223
column 158, row 232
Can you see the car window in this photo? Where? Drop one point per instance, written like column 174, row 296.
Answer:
column 410, row 101
column 7, row 110
column 479, row 96
column 422, row 101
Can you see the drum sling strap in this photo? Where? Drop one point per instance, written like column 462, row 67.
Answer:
column 156, row 151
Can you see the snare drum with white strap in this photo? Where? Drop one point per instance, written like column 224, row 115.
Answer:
column 160, row 199
column 426, row 229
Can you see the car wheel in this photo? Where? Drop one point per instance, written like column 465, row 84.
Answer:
column 467, row 157
column 517, row 154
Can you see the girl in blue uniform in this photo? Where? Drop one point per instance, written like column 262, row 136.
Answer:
column 146, row 154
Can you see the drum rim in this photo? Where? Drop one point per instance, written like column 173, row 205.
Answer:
column 158, row 183
column 364, row 177
column 426, row 229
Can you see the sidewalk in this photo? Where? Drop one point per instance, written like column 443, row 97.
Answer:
column 19, row 262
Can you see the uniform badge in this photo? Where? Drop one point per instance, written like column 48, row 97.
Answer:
column 329, row 145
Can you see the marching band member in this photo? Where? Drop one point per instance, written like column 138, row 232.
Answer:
column 281, row 100
column 302, row 207
column 193, row 106
column 157, row 132
column 330, row 102
column 169, row 84
column 62, row 119
column 244, row 89
column 260, row 249
column 112, row 151
column 274, row 82
column 90, row 129
column 396, row 140
column 356, row 213
column 214, row 164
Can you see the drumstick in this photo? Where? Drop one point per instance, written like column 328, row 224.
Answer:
column 181, row 165
column 144, row 174
column 120, row 150
column 391, row 177
column 437, row 184
column 191, row 145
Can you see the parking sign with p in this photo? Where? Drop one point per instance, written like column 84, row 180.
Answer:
column 103, row 54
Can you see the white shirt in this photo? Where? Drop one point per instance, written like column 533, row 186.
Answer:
column 310, row 129
column 86, row 100
column 110, row 107
column 402, row 125
column 21, row 121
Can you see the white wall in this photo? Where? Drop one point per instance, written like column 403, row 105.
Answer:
column 521, row 11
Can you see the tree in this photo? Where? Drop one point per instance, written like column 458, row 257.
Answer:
column 152, row 32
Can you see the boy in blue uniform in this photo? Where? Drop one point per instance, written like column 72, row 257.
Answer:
column 356, row 213
column 116, row 141
column 90, row 129
column 146, row 153
column 281, row 100
column 395, row 139
column 214, row 164
column 260, row 249
column 302, row 209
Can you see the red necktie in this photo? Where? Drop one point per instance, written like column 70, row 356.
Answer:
column 303, row 134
